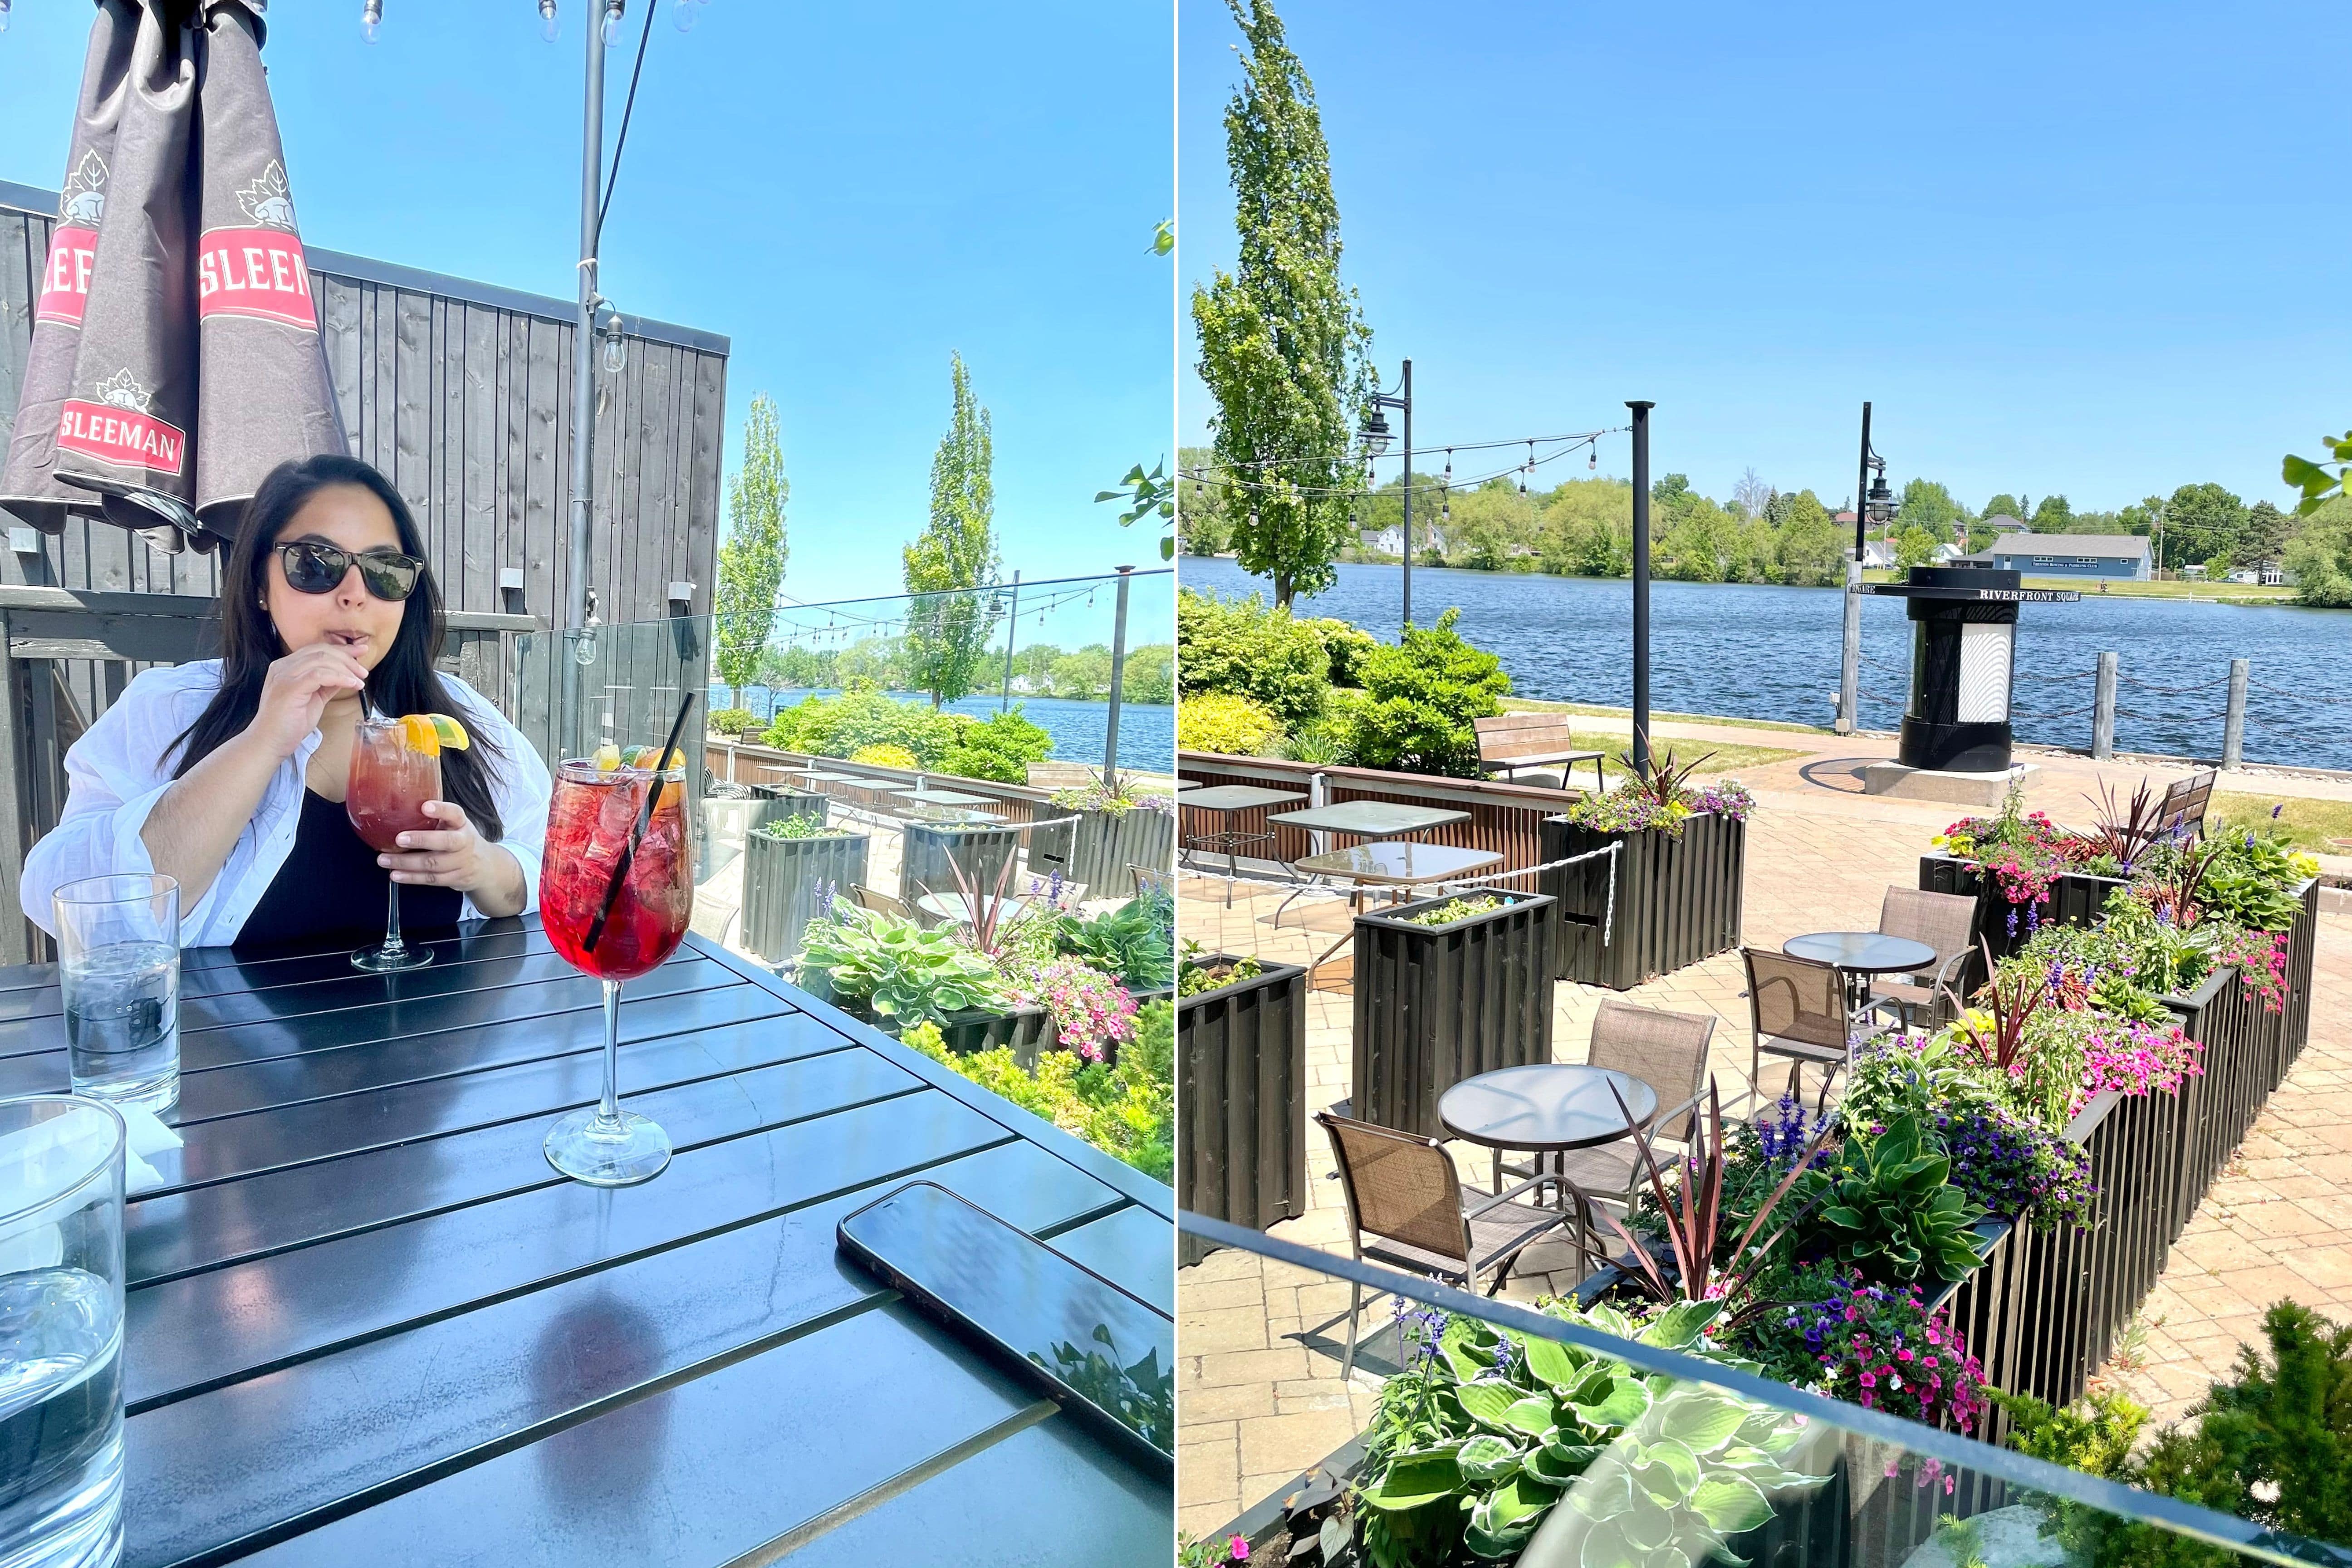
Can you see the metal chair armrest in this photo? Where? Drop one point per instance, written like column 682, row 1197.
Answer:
column 1546, row 1179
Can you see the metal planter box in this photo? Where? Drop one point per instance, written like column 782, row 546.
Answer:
column 1435, row 1004
column 1679, row 899
column 1028, row 1030
column 930, row 849
column 1097, row 848
column 1241, row 1076
column 787, row 880
column 2076, row 899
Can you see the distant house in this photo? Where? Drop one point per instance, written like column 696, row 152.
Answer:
column 1389, row 540
column 2117, row 556
column 1947, row 553
column 2001, row 522
column 1877, row 552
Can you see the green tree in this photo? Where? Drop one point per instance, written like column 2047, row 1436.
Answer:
column 1914, row 547
column 1204, row 524
column 1587, row 529
column 948, row 626
column 2267, row 534
column 1810, row 548
column 2005, row 505
column 2319, row 556
column 1083, row 676
column 1150, row 674
column 1928, row 505
column 1282, row 343
column 752, row 561
column 2201, row 523
column 2053, row 516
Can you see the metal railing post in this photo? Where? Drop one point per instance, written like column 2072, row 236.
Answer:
column 2233, row 723
column 2103, row 711
column 1118, row 682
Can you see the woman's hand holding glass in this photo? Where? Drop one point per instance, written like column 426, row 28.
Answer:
column 456, row 857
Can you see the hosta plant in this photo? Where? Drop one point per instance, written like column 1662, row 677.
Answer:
column 1497, row 1446
column 1888, row 1210
column 906, row 975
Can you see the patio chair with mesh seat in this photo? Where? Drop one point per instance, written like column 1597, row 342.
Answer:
column 1665, row 1050
column 1404, row 1193
column 1944, row 921
column 1796, row 1009
column 880, row 903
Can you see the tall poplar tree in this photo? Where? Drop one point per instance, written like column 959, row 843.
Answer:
column 948, row 627
column 1283, row 344
column 752, row 561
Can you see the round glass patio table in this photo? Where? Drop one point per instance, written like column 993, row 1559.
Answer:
column 1545, row 1107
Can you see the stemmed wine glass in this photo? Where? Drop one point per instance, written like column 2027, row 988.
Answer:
column 590, row 822
column 391, row 778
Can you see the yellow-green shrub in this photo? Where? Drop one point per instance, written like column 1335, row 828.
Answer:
column 885, row 754
column 1222, row 722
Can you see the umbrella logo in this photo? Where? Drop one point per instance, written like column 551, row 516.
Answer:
column 120, row 428
column 266, row 201
column 84, row 201
column 121, row 390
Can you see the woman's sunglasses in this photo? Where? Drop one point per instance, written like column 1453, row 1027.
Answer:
column 315, row 568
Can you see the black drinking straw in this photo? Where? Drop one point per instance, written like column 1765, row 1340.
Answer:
column 637, row 834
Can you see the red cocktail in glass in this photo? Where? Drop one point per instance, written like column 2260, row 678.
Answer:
column 591, row 821
column 390, row 782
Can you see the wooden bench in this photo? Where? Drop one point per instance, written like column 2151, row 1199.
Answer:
column 1509, row 742
column 2184, row 802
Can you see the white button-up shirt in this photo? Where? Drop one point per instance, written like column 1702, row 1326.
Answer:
column 121, row 768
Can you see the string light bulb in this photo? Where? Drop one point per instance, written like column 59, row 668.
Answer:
column 1593, row 462
column 550, row 24
column 1449, row 465
column 613, row 22
column 371, row 19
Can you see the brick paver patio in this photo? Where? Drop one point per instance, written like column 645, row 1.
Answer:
column 1259, row 1391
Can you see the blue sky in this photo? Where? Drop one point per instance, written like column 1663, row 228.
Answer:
column 2097, row 249
column 849, row 192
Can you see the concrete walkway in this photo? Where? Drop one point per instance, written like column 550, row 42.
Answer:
column 1259, row 1391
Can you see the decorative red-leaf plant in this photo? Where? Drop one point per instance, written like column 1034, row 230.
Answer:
column 1691, row 1228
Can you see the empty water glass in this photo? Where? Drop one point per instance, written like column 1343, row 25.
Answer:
column 61, row 1278
column 118, row 966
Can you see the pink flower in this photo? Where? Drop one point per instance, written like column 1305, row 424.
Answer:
column 1240, row 1550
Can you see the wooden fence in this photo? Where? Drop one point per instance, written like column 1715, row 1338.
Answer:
column 1507, row 817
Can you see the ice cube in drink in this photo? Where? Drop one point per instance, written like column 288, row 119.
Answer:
column 61, row 1418
column 123, row 1023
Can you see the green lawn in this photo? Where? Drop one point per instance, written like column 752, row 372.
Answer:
column 1725, row 759
column 2321, row 826
column 1587, row 710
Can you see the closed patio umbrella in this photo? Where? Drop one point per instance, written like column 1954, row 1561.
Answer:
column 175, row 357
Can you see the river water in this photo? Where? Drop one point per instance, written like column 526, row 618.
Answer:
column 1147, row 731
column 1758, row 652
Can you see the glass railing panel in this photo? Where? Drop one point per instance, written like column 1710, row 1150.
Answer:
column 867, row 792
column 1556, row 1436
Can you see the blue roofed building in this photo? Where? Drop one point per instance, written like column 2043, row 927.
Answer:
column 2121, row 556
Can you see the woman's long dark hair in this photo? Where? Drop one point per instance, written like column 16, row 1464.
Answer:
column 404, row 681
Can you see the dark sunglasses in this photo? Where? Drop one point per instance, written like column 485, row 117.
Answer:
column 315, row 568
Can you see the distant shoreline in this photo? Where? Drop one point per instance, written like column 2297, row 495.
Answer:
column 2117, row 588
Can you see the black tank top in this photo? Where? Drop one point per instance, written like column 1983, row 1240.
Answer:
column 331, row 890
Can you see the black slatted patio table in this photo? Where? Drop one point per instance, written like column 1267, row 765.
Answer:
column 368, row 1323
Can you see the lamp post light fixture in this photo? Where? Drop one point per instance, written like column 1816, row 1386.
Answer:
column 1873, row 502
column 1374, row 434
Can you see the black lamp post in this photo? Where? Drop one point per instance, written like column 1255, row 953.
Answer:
column 1374, row 433
column 1873, row 502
